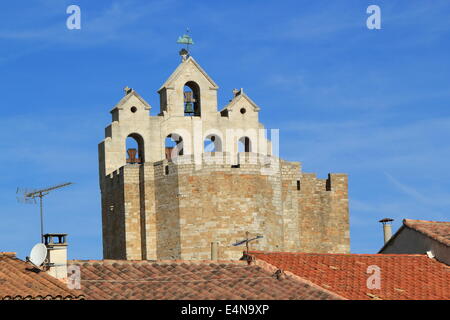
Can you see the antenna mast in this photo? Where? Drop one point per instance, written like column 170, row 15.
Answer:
column 30, row 197
column 247, row 240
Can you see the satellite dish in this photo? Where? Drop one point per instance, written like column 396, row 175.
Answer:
column 38, row 254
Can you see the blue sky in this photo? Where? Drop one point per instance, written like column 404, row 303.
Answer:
column 370, row 103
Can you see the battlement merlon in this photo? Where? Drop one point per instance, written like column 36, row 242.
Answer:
column 251, row 163
column 337, row 182
column 248, row 162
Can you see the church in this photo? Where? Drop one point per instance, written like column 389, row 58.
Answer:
column 204, row 177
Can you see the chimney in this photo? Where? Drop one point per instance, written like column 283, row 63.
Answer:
column 214, row 250
column 56, row 254
column 387, row 228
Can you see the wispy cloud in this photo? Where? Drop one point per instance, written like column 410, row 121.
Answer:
column 368, row 212
column 50, row 144
column 371, row 149
column 316, row 24
column 373, row 143
column 407, row 189
column 288, row 82
column 432, row 200
column 115, row 25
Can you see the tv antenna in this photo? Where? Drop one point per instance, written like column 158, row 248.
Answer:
column 29, row 196
column 247, row 240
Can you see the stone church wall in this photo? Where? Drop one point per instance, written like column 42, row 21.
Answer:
column 175, row 211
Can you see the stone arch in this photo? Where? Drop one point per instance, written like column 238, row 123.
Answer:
column 192, row 99
column 244, row 144
column 173, row 146
column 134, row 146
column 212, row 143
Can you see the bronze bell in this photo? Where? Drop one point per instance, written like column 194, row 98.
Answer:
column 189, row 107
column 132, row 156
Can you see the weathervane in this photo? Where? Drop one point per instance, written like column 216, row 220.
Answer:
column 187, row 40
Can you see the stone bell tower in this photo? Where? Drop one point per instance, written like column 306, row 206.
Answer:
column 216, row 181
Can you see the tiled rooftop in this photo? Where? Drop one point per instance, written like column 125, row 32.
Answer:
column 403, row 277
column 188, row 280
column 20, row 280
column 437, row 230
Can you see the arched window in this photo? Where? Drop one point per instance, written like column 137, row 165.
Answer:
column 244, row 145
column 174, row 146
column 191, row 99
column 212, row 143
column 135, row 148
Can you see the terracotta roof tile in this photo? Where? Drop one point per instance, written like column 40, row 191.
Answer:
column 403, row 276
column 437, row 230
column 187, row 280
column 19, row 280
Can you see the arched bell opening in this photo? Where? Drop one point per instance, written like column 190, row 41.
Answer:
column 173, row 146
column 191, row 100
column 212, row 143
column 135, row 149
column 244, row 145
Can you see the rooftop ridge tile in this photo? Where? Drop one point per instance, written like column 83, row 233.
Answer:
column 410, row 277
column 380, row 255
column 22, row 283
column 13, row 254
column 189, row 279
column 436, row 230
column 158, row 261
column 426, row 221
column 271, row 268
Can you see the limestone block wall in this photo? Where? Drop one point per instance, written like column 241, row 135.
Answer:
column 221, row 203
column 323, row 214
column 167, row 212
column 132, row 209
column 113, row 215
column 147, row 211
column 175, row 210
column 290, row 174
